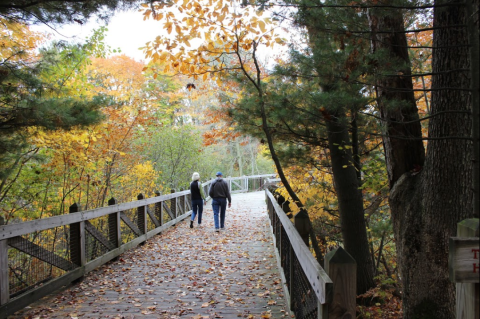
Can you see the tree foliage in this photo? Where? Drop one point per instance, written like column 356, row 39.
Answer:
column 60, row 12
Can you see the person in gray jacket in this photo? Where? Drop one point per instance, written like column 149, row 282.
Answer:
column 219, row 193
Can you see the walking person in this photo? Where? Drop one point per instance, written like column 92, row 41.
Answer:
column 198, row 199
column 219, row 193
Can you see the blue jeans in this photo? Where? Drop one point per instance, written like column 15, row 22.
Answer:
column 219, row 204
column 197, row 207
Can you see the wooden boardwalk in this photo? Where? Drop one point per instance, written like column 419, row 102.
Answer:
column 184, row 273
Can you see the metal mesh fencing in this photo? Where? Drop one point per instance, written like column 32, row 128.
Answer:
column 36, row 258
column 278, row 226
column 285, row 255
column 150, row 215
column 97, row 238
column 127, row 233
column 167, row 211
column 304, row 300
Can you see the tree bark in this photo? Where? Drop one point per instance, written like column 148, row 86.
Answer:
column 402, row 153
column 350, row 201
column 426, row 205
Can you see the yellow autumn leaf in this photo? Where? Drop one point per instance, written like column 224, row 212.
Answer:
column 169, row 27
column 261, row 24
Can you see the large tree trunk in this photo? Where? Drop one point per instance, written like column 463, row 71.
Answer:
column 346, row 181
column 350, row 201
column 402, row 153
column 427, row 205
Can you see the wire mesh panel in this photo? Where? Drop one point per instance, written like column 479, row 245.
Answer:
column 152, row 221
column 97, row 238
column 181, row 205
column 278, row 226
column 167, row 211
column 304, row 300
column 128, row 225
column 36, row 258
column 285, row 256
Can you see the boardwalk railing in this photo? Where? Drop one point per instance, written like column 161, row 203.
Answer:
column 310, row 291
column 40, row 256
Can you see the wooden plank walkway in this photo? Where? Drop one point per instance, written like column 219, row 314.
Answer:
column 184, row 273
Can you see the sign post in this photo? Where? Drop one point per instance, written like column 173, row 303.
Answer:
column 464, row 269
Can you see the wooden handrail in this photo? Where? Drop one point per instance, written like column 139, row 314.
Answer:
column 316, row 275
column 334, row 289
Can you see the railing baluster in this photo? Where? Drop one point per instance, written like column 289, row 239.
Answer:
column 114, row 229
column 159, row 209
column 77, row 239
column 301, row 222
column 142, row 216
column 173, row 203
column 4, row 286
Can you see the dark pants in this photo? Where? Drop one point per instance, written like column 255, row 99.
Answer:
column 219, row 205
column 197, row 207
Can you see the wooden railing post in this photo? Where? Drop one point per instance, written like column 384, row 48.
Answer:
column 114, row 229
column 159, row 209
column 302, row 225
column 342, row 269
column 173, row 204
column 77, row 239
column 464, row 268
column 4, row 286
column 142, row 216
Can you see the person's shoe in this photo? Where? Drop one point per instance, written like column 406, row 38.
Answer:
column 191, row 224
column 217, row 230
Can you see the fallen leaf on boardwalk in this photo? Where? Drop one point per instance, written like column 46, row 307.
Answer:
column 205, row 305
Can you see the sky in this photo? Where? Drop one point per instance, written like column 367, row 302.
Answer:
column 126, row 30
